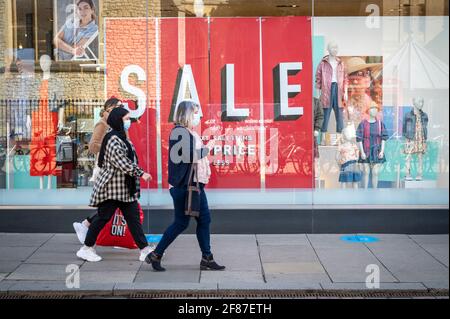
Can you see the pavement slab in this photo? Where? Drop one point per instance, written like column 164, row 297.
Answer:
column 409, row 262
column 30, row 262
column 7, row 267
column 383, row 286
column 40, row 272
column 24, row 240
column 16, row 253
column 231, row 276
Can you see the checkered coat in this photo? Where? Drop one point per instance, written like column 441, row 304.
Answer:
column 110, row 183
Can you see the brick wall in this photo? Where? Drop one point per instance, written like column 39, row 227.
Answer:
column 87, row 85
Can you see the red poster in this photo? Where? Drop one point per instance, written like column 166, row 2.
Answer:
column 131, row 76
column 234, row 111
column 287, row 56
column 184, row 64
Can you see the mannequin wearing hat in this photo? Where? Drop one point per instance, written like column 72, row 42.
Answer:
column 415, row 131
column 371, row 137
column 331, row 82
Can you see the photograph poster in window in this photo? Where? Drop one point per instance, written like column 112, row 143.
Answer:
column 77, row 30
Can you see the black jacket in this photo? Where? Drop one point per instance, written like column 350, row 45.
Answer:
column 182, row 153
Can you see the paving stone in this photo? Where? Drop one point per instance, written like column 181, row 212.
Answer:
column 9, row 266
column 331, row 241
column 40, row 272
column 293, row 285
column 293, row 268
column 349, row 265
column 436, row 284
column 383, row 286
column 16, row 253
column 3, row 276
column 162, row 286
column 60, row 286
column 5, row 285
column 438, row 251
column 106, row 277
column 389, row 238
column 289, row 253
column 54, row 258
column 410, row 263
column 230, row 276
column 182, row 256
column 173, row 273
column 23, row 240
column 111, row 253
column 296, row 278
column 282, row 240
column 431, row 239
column 111, row 265
column 64, row 239
column 59, row 248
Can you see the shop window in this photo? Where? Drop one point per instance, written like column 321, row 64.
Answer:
column 67, row 30
column 34, row 26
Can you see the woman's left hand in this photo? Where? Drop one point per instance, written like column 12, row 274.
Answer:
column 381, row 155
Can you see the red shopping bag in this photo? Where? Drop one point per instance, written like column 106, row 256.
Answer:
column 116, row 232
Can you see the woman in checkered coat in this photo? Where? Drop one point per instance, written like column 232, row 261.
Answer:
column 117, row 186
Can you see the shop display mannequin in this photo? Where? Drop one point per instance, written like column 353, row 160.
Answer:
column 332, row 82
column 371, row 137
column 318, row 121
column 347, row 158
column 43, row 142
column 415, row 131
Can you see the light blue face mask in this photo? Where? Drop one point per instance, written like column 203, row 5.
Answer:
column 196, row 120
column 127, row 124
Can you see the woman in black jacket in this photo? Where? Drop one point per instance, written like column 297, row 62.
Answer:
column 186, row 148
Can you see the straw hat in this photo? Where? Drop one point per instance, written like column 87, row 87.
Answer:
column 355, row 64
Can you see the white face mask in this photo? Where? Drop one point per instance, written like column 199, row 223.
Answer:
column 196, row 120
column 127, row 124
column 373, row 112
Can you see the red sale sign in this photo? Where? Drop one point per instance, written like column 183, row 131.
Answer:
column 254, row 90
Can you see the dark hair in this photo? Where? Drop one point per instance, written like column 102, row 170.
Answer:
column 111, row 102
column 91, row 4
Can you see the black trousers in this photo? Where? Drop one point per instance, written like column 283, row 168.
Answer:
column 90, row 218
column 106, row 210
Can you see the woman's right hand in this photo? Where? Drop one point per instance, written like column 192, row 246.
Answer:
column 147, row 177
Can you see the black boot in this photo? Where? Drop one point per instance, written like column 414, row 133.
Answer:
column 155, row 260
column 208, row 263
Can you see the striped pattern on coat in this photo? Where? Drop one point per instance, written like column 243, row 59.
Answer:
column 110, row 184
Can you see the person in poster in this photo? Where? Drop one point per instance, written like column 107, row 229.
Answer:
column 78, row 33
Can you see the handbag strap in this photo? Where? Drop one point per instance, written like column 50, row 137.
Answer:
column 191, row 174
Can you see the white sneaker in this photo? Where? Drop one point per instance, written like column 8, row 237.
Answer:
column 88, row 254
column 81, row 231
column 147, row 250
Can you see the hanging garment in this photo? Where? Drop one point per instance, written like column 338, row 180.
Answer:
column 43, row 137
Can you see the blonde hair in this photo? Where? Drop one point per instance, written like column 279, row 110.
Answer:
column 185, row 113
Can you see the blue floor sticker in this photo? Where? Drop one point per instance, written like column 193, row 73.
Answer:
column 360, row 239
column 153, row 238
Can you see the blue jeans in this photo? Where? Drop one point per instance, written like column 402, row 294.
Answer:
column 181, row 222
column 338, row 112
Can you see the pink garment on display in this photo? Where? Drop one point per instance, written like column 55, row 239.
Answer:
column 324, row 78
